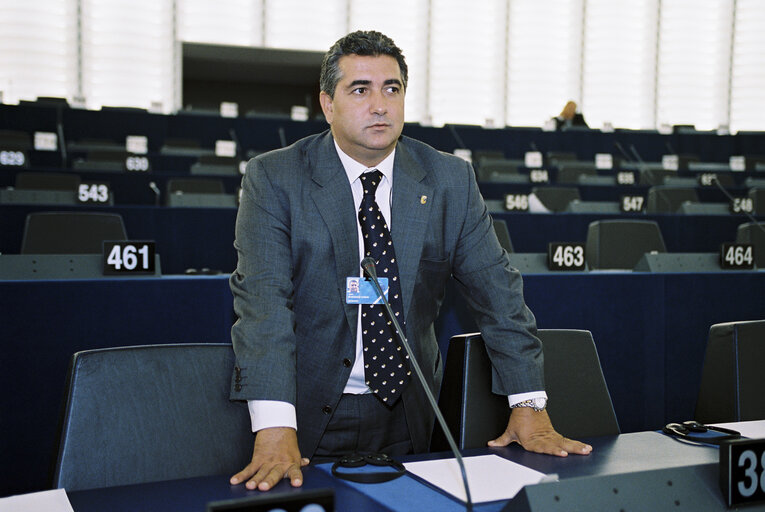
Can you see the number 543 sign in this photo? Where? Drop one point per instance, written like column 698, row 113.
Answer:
column 129, row 257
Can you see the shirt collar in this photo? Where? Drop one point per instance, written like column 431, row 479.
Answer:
column 355, row 169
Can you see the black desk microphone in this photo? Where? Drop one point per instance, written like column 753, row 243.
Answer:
column 368, row 265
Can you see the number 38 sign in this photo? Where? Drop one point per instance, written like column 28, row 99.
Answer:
column 742, row 470
column 129, row 257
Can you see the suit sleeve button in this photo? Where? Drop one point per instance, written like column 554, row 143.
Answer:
column 238, row 387
column 326, row 409
column 347, row 362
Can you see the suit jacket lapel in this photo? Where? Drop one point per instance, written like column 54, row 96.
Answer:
column 334, row 200
column 410, row 211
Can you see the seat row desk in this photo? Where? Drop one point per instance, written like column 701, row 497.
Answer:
column 650, row 331
column 204, row 237
column 644, row 471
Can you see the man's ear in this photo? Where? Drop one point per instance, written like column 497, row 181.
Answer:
column 326, row 105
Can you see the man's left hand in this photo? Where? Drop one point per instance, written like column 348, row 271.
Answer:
column 534, row 431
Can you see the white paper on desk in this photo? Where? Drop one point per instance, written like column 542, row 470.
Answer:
column 44, row 501
column 490, row 477
column 751, row 429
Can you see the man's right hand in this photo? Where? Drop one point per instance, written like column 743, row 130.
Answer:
column 275, row 456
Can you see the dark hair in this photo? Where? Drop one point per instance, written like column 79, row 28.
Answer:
column 361, row 42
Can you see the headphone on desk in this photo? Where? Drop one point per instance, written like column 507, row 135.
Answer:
column 357, row 460
column 690, row 430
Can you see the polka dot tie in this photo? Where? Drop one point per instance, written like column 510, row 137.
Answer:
column 386, row 368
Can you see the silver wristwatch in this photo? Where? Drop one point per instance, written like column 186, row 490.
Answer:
column 538, row 404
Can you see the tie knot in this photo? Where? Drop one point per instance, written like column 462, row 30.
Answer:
column 369, row 182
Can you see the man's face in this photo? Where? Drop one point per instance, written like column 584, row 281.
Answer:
column 367, row 111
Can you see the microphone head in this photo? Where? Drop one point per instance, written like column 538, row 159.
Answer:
column 368, row 265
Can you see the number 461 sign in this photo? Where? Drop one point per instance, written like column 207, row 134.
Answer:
column 129, row 257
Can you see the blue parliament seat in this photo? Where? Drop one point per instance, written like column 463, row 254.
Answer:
column 619, row 244
column 668, row 198
column 70, row 232
column 149, row 413
column 732, row 381
column 503, row 235
column 581, row 405
column 556, row 199
column 753, row 233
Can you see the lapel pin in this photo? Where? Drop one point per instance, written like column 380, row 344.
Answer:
column 423, row 199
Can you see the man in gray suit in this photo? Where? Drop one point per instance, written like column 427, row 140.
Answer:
column 301, row 342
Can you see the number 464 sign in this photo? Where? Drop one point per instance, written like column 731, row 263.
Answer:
column 129, row 257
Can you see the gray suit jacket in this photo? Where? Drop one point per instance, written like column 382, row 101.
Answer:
column 296, row 237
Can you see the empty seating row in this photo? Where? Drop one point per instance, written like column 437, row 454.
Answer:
column 657, row 199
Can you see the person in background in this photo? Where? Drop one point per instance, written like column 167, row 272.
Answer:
column 569, row 117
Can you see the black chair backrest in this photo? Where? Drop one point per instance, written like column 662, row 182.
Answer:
column 579, row 407
column 556, row 199
column 70, row 232
column 619, row 244
column 503, row 235
column 732, row 381
column 751, row 233
column 496, row 166
column 667, row 199
column 150, row 413
column 195, row 186
column 569, row 172
column 758, row 199
column 47, row 181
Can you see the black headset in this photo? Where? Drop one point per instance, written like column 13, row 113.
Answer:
column 690, row 430
column 357, row 460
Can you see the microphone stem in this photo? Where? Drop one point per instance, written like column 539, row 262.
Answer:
column 431, row 399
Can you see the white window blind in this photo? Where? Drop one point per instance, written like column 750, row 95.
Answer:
column 467, row 62
column 234, row 22
column 128, row 53
column 693, row 62
column 301, row 25
column 618, row 73
column 406, row 22
column 38, row 49
column 747, row 108
column 544, row 52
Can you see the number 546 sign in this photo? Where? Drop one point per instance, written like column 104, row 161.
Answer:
column 129, row 257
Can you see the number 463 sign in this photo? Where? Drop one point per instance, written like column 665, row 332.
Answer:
column 129, row 257
column 565, row 256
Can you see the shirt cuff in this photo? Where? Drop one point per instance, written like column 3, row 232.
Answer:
column 522, row 397
column 271, row 413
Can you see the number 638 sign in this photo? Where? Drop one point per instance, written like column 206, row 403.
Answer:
column 129, row 257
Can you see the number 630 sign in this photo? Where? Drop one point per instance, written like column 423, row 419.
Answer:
column 129, row 257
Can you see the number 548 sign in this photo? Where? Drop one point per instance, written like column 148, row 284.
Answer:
column 129, row 257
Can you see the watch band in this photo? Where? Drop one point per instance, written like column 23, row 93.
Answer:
column 538, row 404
